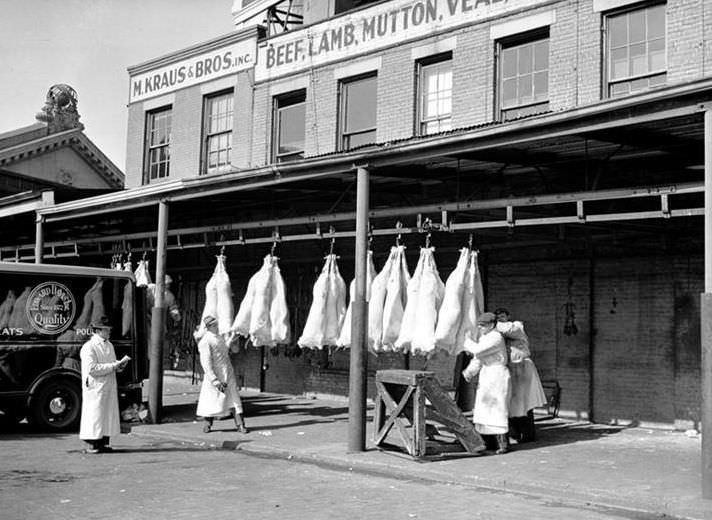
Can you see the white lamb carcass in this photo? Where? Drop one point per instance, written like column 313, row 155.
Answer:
column 405, row 335
column 379, row 291
column 336, row 304
column 241, row 325
column 127, row 308
column 450, row 315
column 260, row 325
column 430, row 297
column 223, row 296
column 18, row 318
column 6, row 308
column 345, row 336
column 472, row 304
column 314, row 329
column 395, row 300
column 142, row 276
column 279, row 312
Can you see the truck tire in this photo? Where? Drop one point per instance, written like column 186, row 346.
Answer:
column 57, row 405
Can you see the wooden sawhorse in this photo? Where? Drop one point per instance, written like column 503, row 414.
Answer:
column 401, row 402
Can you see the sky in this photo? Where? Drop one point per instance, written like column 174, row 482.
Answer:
column 88, row 44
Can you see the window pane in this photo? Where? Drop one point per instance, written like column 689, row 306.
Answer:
column 619, row 63
column 360, row 105
column 509, row 63
column 361, row 139
column 618, row 31
column 525, row 90
column 291, row 130
column 525, row 59
column 636, row 26
column 656, row 57
column 656, row 22
column 638, row 60
column 509, row 93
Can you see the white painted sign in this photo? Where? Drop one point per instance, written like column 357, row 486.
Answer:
column 370, row 29
column 194, row 70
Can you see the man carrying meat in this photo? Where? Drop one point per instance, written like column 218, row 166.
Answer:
column 527, row 392
column 490, row 414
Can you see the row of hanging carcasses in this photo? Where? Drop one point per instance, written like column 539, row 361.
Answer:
column 418, row 314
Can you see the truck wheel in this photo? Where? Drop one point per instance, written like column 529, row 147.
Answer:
column 57, row 405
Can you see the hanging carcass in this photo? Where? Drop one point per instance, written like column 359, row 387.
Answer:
column 425, row 295
column 328, row 308
column 345, row 335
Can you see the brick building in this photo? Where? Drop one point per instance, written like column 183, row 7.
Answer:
column 564, row 138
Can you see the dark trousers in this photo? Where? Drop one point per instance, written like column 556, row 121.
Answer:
column 522, row 428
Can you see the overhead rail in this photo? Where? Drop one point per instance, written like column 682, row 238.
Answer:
column 575, row 202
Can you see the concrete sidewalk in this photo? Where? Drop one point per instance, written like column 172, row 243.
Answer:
column 637, row 472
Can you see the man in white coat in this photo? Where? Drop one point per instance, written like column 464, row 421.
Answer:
column 219, row 396
column 490, row 414
column 100, row 396
column 527, row 392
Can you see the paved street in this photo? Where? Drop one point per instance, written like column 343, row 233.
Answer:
column 49, row 476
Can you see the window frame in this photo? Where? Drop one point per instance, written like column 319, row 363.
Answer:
column 607, row 83
column 421, row 65
column 207, row 135
column 149, row 126
column 343, row 104
column 279, row 103
column 518, row 40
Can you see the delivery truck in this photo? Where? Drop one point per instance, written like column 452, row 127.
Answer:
column 46, row 312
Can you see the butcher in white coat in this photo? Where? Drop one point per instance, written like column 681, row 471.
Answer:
column 527, row 392
column 100, row 396
column 490, row 415
column 218, row 393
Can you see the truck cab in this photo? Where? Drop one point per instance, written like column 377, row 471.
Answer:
column 46, row 312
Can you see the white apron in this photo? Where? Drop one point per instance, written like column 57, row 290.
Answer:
column 527, row 392
column 216, row 364
column 100, row 396
column 491, row 412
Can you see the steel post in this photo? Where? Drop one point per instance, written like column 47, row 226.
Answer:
column 706, row 322
column 158, row 317
column 359, row 321
column 39, row 238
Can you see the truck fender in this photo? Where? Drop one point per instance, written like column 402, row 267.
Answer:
column 51, row 374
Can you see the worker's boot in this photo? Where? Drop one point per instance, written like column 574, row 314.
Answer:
column 502, row 443
column 207, row 424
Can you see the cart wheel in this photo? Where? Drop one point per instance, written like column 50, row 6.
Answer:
column 56, row 406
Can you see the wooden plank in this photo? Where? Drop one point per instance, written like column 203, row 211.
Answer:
column 419, row 436
column 402, row 377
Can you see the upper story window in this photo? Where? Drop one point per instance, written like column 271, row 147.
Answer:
column 218, row 132
column 289, row 126
column 635, row 50
column 357, row 112
column 158, row 143
column 435, row 95
column 523, row 83
column 341, row 6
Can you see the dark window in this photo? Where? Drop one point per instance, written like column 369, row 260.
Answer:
column 218, row 132
column 523, row 83
column 341, row 6
column 358, row 112
column 158, row 142
column 635, row 50
column 289, row 126
column 434, row 95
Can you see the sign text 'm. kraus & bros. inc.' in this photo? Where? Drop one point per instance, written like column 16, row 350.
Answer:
column 192, row 71
column 370, row 29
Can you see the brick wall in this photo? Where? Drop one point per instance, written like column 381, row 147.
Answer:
column 685, row 21
column 186, row 133
column 134, row 145
column 321, row 112
column 396, row 96
column 242, row 125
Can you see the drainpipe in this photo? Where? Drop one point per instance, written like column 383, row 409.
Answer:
column 158, row 317
column 706, row 322
column 358, row 366
column 39, row 238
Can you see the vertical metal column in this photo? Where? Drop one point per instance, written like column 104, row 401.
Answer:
column 706, row 321
column 39, row 238
column 158, row 318
column 359, row 321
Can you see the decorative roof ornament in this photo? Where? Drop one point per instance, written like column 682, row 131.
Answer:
column 60, row 109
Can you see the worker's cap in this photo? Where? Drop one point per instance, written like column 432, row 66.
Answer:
column 502, row 310
column 101, row 323
column 210, row 320
column 486, row 318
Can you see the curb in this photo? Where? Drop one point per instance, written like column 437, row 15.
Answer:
column 572, row 498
